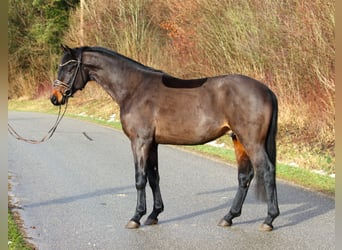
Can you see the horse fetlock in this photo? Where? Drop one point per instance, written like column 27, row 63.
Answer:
column 232, row 214
column 151, row 221
column 274, row 214
column 158, row 209
column 270, row 218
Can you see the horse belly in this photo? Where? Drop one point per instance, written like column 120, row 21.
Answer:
column 189, row 130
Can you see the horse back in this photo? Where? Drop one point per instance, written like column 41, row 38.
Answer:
column 173, row 82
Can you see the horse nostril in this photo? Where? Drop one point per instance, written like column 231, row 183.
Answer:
column 54, row 100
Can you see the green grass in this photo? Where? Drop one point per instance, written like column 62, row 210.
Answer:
column 16, row 240
column 306, row 178
column 223, row 153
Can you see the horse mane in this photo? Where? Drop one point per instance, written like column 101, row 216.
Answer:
column 168, row 80
column 118, row 55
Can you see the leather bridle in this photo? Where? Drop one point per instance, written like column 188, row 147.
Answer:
column 68, row 87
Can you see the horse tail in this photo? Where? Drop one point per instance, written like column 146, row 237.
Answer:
column 271, row 150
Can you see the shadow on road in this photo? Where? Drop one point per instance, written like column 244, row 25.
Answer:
column 65, row 200
column 296, row 206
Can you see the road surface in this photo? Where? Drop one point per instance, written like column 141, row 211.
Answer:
column 76, row 191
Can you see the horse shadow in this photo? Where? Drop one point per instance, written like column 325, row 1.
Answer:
column 305, row 205
column 70, row 199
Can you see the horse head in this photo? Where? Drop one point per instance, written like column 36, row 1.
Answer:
column 71, row 76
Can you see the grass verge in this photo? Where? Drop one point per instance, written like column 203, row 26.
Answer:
column 296, row 175
column 16, row 240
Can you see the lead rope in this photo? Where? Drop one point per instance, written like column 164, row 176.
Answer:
column 46, row 137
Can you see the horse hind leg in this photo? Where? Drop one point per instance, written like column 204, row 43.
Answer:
column 245, row 176
column 269, row 177
column 266, row 185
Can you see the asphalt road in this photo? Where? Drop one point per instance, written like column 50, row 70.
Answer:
column 77, row 192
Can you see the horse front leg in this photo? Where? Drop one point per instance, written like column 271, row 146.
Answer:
column 153, row 179
column 140, row 150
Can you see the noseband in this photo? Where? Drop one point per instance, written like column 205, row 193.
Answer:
column 67, row 87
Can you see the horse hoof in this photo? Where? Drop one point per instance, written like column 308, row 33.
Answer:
column 265, row 228
column 224, row 223
column 151, row 221
column 132, row 225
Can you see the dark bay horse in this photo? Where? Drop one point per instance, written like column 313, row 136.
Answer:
column 156, row 108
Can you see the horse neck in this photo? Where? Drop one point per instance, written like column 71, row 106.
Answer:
column 116, row 76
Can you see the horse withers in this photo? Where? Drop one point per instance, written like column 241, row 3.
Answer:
column 157, row 108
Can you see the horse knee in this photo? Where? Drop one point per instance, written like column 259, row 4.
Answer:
column 270, row 174
column 274, row 213
column 140, row 182
column 140, row 185
column 153, row 179
column 245, row 179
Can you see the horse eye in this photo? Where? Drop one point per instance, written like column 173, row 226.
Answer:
column 70, row 69
column 67, row 92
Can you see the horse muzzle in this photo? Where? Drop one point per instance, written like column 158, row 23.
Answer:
column 60, row 93
column 57, row 98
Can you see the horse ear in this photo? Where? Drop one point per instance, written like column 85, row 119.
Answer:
column 65, row 48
